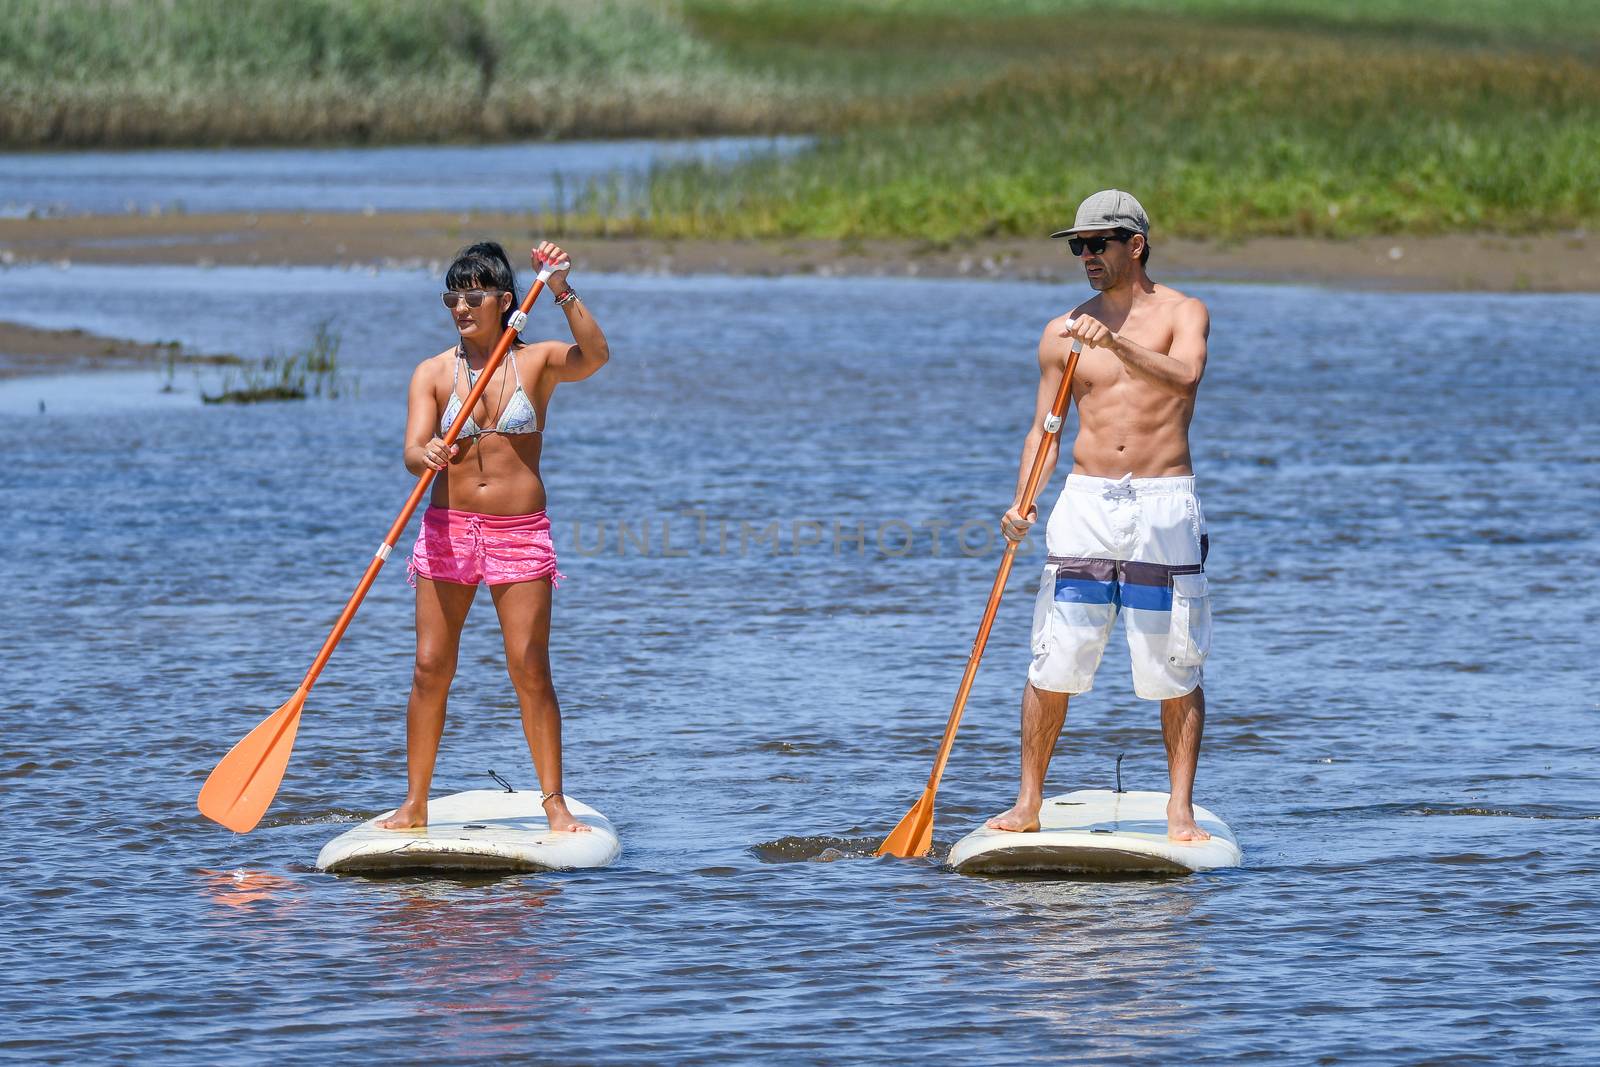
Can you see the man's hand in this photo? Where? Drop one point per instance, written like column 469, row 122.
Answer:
column 1015, row 525
column 1091, row 331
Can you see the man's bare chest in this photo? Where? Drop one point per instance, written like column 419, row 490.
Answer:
column 1102, row 365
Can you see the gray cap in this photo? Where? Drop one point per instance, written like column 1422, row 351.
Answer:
column 1109, row 209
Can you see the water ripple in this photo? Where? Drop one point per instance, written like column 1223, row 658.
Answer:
column 1401, row 699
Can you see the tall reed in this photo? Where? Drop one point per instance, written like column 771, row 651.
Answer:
column 312, row 371
column 110, row 73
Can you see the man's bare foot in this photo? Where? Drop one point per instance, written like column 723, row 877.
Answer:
column 1020, row 819
column 412, row 815
column 562, row 820
column 1181, row 825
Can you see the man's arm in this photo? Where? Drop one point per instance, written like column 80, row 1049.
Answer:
column 1177, row 371
column 1051, row 367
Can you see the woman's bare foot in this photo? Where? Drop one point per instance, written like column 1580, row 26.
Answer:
column 1021, row 818
column 412, row 815
column 562, row 820
column 1181, row 825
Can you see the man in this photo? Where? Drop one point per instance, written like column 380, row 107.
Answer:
column 1127, row 532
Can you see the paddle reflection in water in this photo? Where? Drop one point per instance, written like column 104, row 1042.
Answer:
column 244, row 889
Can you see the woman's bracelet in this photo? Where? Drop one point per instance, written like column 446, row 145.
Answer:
column 566, row 297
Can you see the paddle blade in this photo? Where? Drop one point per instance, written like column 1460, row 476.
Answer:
column 913, row 837
column 242, row 786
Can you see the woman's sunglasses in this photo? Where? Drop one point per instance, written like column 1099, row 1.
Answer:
column 1095, row 245
column 473, row 297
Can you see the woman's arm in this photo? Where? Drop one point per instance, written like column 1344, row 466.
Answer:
column 423, row 447
column 574, row 362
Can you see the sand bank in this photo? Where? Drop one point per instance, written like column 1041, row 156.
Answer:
column 1490, row 263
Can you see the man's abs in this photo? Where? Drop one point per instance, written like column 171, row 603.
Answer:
column 1132, row 428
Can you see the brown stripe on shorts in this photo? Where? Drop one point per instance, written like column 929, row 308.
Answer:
column 1084, row 568
column 1132, row 572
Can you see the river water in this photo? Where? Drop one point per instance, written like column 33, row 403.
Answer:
column 534, row 176
column 1401, row 491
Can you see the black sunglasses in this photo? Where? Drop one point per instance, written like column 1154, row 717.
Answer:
column 1095, row 245
column 473, row 297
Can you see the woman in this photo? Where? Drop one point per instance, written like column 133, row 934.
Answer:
column 486, row 519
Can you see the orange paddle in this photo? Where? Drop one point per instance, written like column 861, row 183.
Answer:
column 242, row 786
column 914, row 834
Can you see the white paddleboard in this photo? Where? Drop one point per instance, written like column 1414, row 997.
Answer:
column 479, row 830
column 1099, row 831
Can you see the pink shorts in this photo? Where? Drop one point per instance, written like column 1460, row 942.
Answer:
column 467, row 548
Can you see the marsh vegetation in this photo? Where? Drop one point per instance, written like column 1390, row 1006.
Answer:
column 312, row 370
column 936, row 120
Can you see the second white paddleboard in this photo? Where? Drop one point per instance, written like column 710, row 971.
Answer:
column 1099, row 831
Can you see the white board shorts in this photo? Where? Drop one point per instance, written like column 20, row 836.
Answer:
column 1137, row 545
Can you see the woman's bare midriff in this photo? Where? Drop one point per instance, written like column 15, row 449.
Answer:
column 494, row 474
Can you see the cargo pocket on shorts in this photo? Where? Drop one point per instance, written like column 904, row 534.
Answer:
column 1189, row 632
column 1043, row 612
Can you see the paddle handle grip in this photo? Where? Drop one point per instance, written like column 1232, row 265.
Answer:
column 424, row 480
column 1030, row 490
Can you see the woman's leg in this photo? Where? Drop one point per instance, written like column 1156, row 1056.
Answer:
column 441, row 612
column 524, row 609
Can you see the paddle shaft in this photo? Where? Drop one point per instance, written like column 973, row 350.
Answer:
column 1058, row 411
column 381, row 557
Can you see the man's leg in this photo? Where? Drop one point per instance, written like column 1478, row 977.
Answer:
column 1183, row 719
column 1043, row 714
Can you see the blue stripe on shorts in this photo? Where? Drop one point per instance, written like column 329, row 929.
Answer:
column 1083, row 591
column 1146, row 597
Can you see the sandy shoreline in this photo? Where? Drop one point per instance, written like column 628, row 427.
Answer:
column 1455, row 263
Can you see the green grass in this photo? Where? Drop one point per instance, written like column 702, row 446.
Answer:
column 1228, row 118
column 117, row 73
column 938, row 119
column 900, row 25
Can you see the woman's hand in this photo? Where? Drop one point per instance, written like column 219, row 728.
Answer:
column 435, row 455
column 552, row 255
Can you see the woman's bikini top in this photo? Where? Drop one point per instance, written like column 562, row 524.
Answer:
column 517, row 418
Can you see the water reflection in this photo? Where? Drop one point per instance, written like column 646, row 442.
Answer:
column 1076, row 943
column 245, row 889
column 482, row 959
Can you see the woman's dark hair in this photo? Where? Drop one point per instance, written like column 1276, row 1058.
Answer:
column 484, row 266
